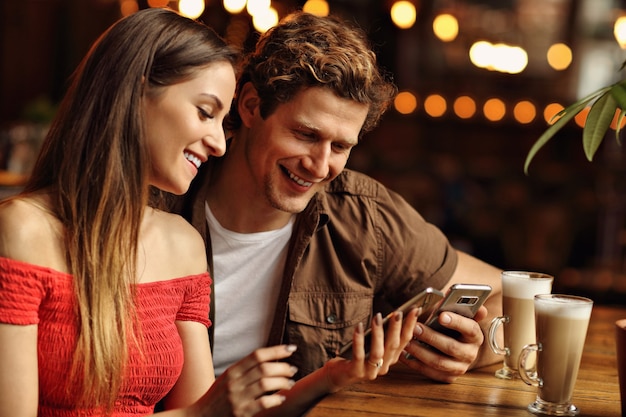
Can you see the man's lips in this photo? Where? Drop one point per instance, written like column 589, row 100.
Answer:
column 298, row 180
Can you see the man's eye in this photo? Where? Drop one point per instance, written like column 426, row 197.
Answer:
column 341, row 147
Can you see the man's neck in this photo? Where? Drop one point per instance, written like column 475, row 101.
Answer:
column 236, row 203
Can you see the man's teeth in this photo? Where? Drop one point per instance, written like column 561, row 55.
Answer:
column 300, row 181
column 193, row 159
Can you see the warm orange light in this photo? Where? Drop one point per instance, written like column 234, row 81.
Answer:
column 559, row 56
column 614, row 121
column 316, row 7
column 435, row 105
column 464, row 107
column 405, row 102
column 494, row 109
column 581, row 117
column 550, row 111
column 524, row 112
column 128, row 7
column 158, row 3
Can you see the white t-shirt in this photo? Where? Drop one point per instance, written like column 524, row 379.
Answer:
column 247, row 272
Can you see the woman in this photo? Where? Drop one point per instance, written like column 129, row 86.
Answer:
column 103, row 298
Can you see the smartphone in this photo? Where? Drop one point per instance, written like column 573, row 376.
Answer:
column 427, row 300
column 463, row 299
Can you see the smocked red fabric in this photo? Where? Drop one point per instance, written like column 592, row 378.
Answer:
column 35, row 295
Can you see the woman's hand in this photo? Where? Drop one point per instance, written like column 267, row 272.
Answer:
column 250, row 385
column 385, row 349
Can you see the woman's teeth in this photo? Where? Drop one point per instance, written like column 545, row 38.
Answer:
column 300, row 181
column 193, row 159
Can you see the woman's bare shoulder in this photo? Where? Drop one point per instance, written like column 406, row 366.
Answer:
column 171, row 242
column 28, row 230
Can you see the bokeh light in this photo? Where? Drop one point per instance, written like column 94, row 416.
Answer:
column 524, row 112
column 403, row 14
column 435, row 105
column 191, row 8
column 464, row 107
column 405, row 102
column 559, row 56
column 317, row 7
column 494, row 109
column 234, row 6
column 446, row 27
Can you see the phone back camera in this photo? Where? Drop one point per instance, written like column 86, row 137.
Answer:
column 467, row 300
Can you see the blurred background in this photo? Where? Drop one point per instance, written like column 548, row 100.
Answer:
column 479, row 82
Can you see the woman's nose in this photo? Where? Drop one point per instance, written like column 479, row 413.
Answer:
column 216, row 142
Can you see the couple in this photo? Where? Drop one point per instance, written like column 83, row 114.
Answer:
column 104, row 300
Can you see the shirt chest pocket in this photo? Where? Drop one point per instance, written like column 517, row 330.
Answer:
column 321, row 323
column 330, row 311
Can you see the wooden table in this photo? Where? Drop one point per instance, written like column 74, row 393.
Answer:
column 479, row 393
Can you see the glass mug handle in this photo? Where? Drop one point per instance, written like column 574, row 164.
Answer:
column 534, row 379
column 493, row 343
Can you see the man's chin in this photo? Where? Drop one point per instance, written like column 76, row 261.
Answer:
column 291, row 206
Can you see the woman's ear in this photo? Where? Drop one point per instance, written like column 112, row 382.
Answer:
column 248, row 104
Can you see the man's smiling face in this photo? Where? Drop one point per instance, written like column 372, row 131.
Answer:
column 301, row 146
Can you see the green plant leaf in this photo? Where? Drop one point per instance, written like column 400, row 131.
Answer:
column 598, row 122
column 564, row 116
column 618, row 91
column 618, row 126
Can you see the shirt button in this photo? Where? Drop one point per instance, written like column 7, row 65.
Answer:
column 331, row 318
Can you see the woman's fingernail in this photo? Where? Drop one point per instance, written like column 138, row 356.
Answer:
column 378, row 319
column 398, row 316
column 293, row 370
column 359, row 328
column 445, row 318
column 291, row 348
column 418, row 329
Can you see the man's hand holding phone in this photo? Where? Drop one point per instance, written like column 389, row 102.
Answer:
column 446, row 346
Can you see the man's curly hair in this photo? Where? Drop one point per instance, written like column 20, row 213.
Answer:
column 304, row 51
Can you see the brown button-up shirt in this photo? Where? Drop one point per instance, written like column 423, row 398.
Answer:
column 357, row 248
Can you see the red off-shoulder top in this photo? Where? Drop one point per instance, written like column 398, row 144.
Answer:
column 31, row 294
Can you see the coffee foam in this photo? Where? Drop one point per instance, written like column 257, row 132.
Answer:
column 520, row 285
column 564, row 307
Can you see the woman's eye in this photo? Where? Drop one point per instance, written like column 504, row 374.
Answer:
column 204, row 114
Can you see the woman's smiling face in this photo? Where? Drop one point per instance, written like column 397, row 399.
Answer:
column 184, row 125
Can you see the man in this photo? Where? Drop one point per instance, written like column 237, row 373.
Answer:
column 301, row 249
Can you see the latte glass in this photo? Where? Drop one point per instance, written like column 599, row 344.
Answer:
column 518, row 319
column 561, row 323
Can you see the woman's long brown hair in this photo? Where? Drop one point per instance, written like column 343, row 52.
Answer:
column 94, row 161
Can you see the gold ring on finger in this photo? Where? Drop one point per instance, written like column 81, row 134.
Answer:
column 376, row 364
